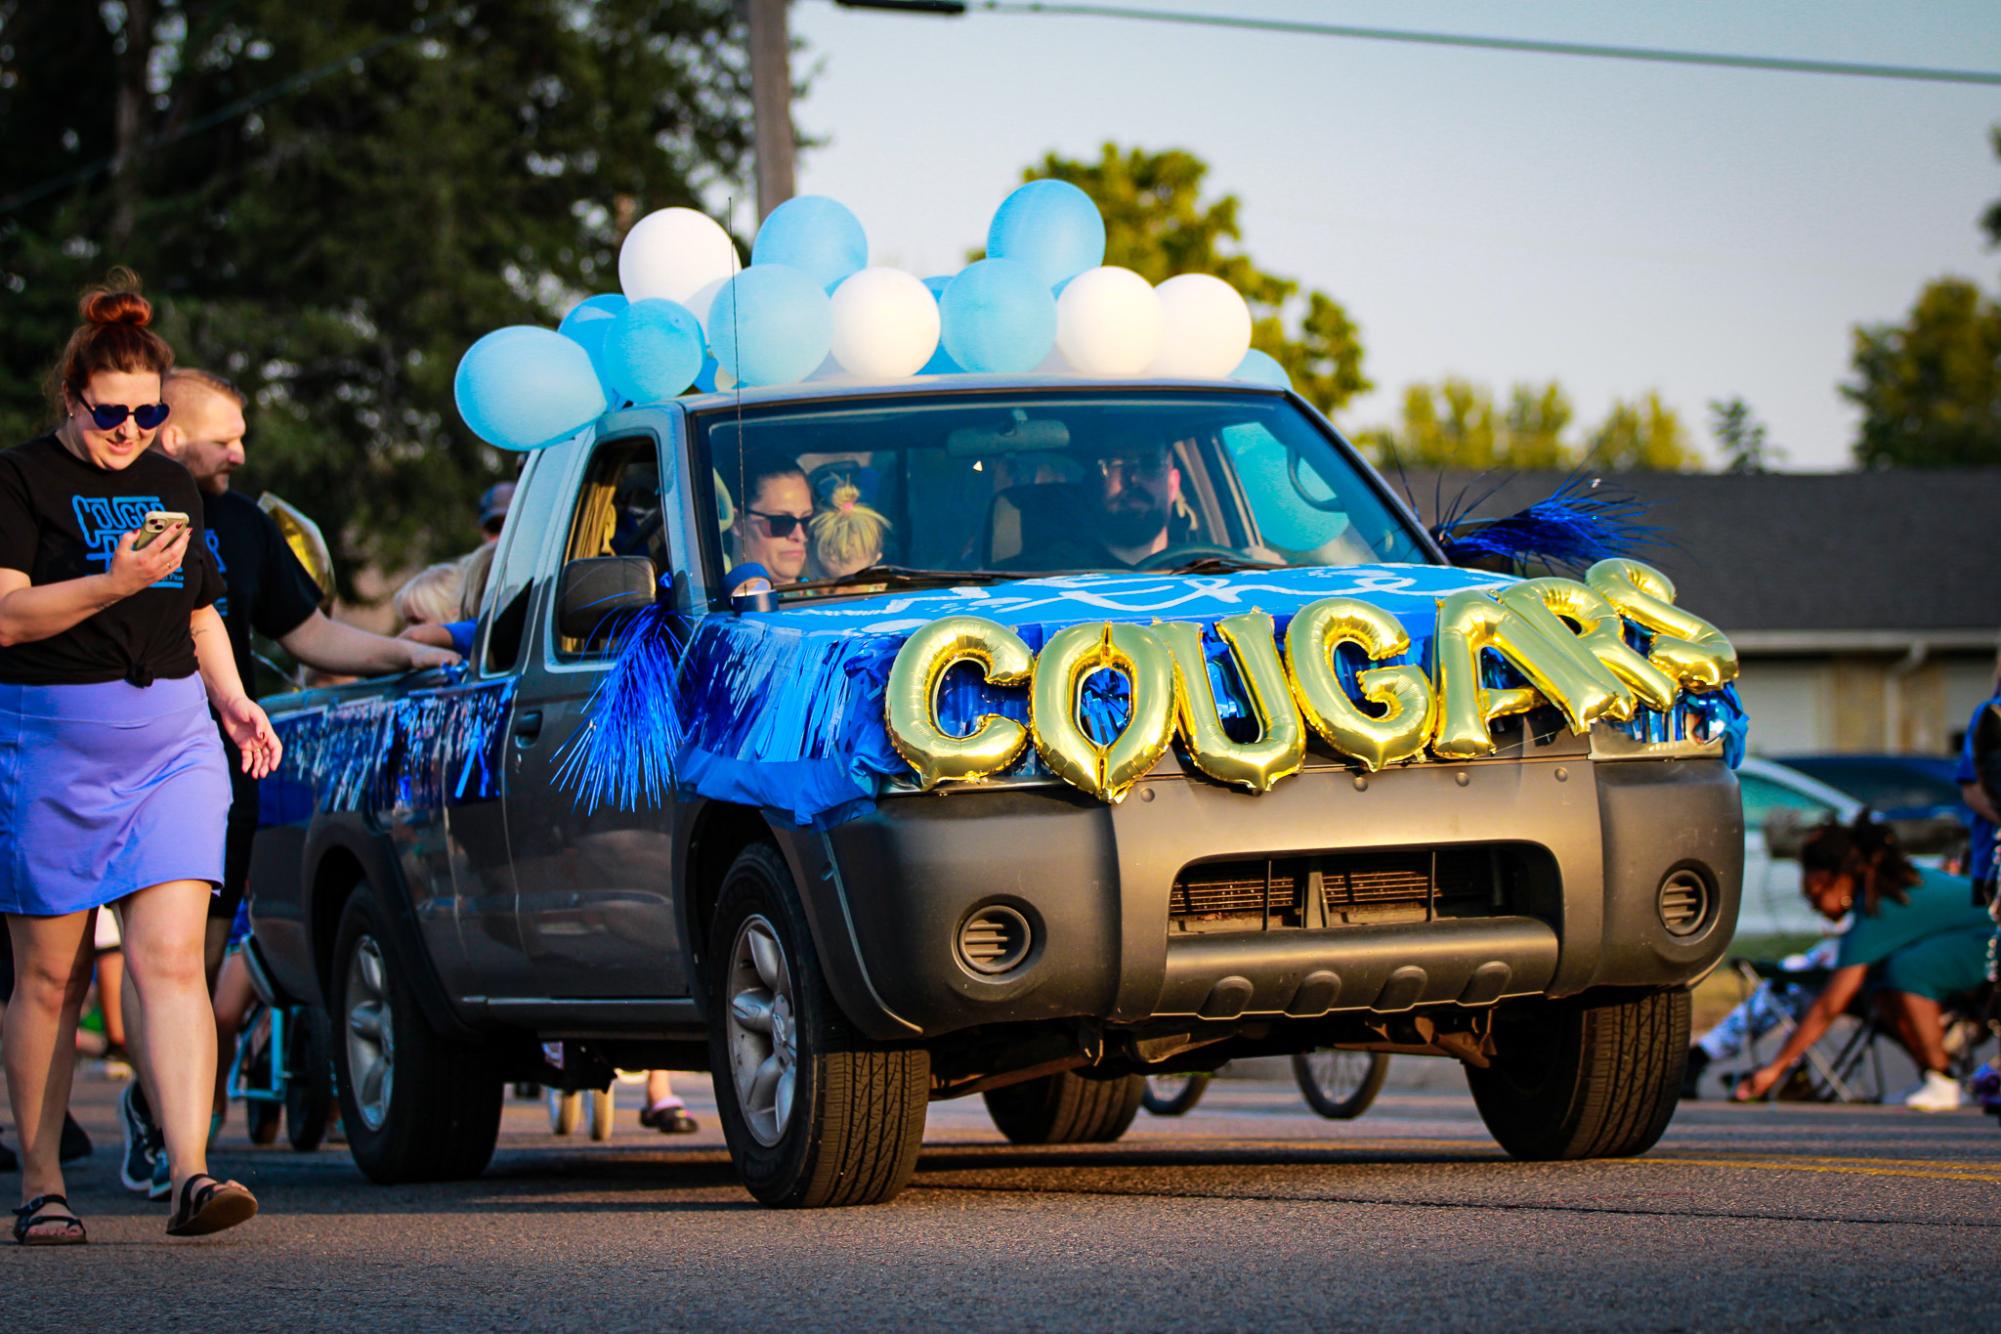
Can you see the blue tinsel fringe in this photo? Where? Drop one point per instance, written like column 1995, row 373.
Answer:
column 1578, row 525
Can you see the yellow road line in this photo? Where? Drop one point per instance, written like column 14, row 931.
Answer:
column 1774, row 1165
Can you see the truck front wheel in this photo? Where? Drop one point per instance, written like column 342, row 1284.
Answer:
column 1066, row 1108
column 416, row 1106
column 1586, row 1078
column 815, row 1114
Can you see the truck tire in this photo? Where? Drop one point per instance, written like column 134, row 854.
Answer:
column 1066, row 1108
column 416, row 1106
column 309, row 1083
column 1584, row 1078
column 815, row 1114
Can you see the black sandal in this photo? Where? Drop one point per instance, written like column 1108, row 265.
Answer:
column 670, row 1118
column 41, row 1210
column 218, row 1205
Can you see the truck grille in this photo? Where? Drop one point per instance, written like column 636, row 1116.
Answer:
column 1342, row 889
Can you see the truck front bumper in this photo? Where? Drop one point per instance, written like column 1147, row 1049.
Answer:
column 888, row 894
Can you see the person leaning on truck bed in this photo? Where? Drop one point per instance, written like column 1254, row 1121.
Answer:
column 265, row 589
column 113, row 786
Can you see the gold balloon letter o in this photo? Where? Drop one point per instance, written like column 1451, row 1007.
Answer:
column 1403, row 692
column 1073, row 654
column 911, row 702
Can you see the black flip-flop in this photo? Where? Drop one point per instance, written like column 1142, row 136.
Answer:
column 217, row 1205
column 669, row 1119
column 41, row 1210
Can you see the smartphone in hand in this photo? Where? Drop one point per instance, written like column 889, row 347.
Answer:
column 157, row 523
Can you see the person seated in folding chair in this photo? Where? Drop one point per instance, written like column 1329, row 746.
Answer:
column 1917, row 941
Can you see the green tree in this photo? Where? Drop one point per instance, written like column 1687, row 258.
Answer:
column 1741, row 437
column 331, row 201
column 1158, row 224
column 1455, row 424
column 1643, row 436
column 1930, row 388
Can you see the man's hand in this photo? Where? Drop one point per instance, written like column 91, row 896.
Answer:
column 247, row 726
column 131, row 571
column 424, row 655
column 1758, row 1083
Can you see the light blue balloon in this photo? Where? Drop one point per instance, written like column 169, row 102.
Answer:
column 588, row 322
column 705, row 378
column 1051, row 226
column 817, row 236
column 771, row 324
column 524, row 388
column 653, row 352
column 1259, row 368
column 941, row 362
column 998, row 315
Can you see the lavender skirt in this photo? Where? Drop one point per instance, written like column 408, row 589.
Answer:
column 106, row 789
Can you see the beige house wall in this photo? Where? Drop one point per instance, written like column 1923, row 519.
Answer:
column 1862, row 703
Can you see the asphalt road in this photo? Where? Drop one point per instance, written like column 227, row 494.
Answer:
column 1248, row 1213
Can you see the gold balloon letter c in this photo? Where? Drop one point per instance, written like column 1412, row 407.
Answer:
column 912, row 699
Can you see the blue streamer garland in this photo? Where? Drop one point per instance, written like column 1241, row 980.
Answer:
column 1576, row 526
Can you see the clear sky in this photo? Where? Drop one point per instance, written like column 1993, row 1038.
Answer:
column 1503, row 216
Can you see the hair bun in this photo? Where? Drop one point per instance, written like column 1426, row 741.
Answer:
column 116, row 301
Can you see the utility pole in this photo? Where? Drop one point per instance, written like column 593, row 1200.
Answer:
column 771, row 102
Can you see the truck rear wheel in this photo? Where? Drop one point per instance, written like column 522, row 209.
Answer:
column 417, row 1106
column 1584, row 1078
column 1066, row 1108
column 815, row 1114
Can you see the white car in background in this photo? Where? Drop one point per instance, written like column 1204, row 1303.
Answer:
column 1772, row 902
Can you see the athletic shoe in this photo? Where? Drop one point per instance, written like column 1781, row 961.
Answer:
column 135, row 1168
column 75, row 1143
column 1939, row 1093
column 162, row 1185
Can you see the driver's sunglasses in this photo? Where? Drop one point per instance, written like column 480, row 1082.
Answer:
column 781, row 525
column 1150, row 468
column 110, row 416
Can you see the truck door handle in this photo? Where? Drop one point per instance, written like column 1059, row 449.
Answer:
column 527, row 726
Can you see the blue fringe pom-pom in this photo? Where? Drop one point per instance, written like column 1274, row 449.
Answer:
column 624, row 756
column 1577, row 526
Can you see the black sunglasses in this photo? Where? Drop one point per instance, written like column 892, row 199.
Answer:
column 110, row 416
column 781, row 525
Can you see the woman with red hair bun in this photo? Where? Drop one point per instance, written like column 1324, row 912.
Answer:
column 113, row 787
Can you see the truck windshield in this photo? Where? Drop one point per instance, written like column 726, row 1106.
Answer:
column 1039, row 482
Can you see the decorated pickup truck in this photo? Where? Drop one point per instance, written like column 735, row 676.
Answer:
column 866, row 745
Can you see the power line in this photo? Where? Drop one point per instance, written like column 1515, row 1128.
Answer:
column 1652, row 55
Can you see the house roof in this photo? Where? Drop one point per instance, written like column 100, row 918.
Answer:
column 1806, row 557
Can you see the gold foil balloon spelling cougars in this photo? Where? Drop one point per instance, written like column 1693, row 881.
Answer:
column 1564, row 637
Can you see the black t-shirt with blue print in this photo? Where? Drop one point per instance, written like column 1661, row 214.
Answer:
column 264, row 587
column 61, row 517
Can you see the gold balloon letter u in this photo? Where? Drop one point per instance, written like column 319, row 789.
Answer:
column 1280, row 747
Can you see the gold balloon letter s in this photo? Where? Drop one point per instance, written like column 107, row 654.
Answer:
column 1686, row 647
column 1408, row 704
column 1281, row 744
column 1070, row 656
column 912, row 699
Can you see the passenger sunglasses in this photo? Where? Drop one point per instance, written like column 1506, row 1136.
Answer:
column 110, row 416
column 781, row 525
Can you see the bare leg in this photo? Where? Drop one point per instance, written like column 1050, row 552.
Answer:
column 51, row 975
column 233, row 995
column 1920, row 1027
column 111, row 994
column 163, row 950
column 658, row 1088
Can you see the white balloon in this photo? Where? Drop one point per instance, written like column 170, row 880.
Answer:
column 673, row 253
column 1206, row 328
column 1108, row 322
column 704, row 297
column 885, row 324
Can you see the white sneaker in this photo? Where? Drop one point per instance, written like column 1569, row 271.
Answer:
column 1938, row 1093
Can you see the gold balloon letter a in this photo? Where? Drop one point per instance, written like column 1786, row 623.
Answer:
column 1281, row 744
column 1070, row 656
column 1686, row 647
column 1471, row 622
column 1406, row 697
column 912, row 699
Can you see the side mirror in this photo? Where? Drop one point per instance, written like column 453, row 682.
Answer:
column 592, row 593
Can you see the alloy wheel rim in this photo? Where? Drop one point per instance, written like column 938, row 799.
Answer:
column 1341, row 1074
column 371, row 1036
column 761, row 1024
